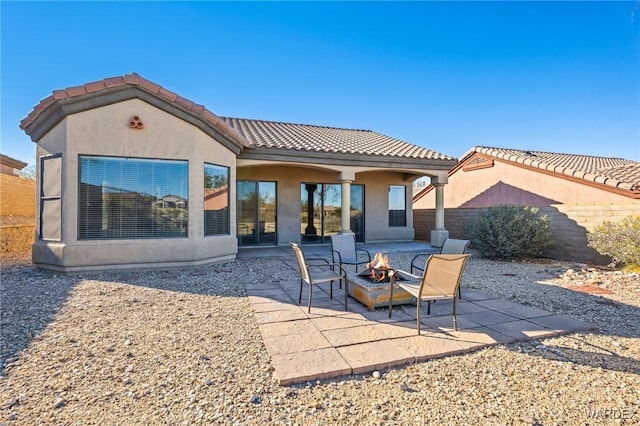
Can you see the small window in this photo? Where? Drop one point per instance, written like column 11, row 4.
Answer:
column 126, row 198
column 397, row 206
column 51, row 198
column 216, row 200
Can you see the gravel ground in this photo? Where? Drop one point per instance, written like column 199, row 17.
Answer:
column 182, row 347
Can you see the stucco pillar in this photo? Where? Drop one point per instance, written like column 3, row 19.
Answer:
column 439, row 234
column 346, row 207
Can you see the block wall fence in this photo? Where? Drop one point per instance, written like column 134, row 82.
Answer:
column 568, row 223
column 17, row 199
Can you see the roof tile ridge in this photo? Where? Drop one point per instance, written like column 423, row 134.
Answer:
column 299, row 124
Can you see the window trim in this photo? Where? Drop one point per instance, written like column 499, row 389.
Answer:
column 42, row 197
column 204, row 210
column 392, row 224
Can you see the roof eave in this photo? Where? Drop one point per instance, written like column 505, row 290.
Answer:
column 58, row 110
column 345, row 159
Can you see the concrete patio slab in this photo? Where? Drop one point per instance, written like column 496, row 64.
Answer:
column 285, row 328
column 486, row 317
column 338, row 322
column 279, row 316
column 485, row 336
column 431, row 345
column 293, row 343
column 299, row 367
column 560, row 323
column 375, row 355
column 523, row 330
column 445, row 322
column 331, row 342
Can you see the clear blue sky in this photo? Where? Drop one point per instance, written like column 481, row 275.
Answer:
column 548, row 76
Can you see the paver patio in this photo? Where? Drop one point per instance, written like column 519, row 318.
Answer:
column 331, row 342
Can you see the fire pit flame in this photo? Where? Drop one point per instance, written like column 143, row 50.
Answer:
column 379, row 268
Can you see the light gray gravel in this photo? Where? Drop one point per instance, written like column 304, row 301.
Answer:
column 183, row 347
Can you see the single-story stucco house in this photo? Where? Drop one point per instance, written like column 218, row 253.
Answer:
column 576, row 192
column 132, row 175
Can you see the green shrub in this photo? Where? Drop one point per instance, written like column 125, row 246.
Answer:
column 620, row 240
column 507, row 232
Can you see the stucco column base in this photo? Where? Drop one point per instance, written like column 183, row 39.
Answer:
column 438, row 236
column 347, row 232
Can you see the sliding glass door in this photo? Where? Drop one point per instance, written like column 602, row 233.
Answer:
column 256, row 213
column 321, row 211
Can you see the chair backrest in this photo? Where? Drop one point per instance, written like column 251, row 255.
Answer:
column 302, row 264
column 345, row 244
column 453, row 246
column 442, row 273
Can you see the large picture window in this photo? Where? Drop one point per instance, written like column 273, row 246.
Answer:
column 216, row 200
column 126, row 198
column 397, row 206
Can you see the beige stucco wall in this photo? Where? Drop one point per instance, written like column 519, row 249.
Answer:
column 290, row 178
column 508, row 184
column 573, row 208
column 105, row 131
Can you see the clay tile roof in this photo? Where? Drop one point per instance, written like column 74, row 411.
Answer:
column 12, row 162
column 614, row 172
column 137, row 81
column 305, row 137
column 252, row 133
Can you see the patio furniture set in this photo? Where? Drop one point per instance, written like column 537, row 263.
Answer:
column 381, row 285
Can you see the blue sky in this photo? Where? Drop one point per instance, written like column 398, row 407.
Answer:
column 548, row 76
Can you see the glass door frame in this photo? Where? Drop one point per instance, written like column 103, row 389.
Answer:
column 255, row 233
column 315, row 232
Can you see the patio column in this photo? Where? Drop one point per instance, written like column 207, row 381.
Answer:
column 439, row 234
column 346, row 207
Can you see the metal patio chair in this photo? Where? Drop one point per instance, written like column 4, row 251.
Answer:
column 440, row 280
column 318, row 271
column 345, row 252
column 450, row 246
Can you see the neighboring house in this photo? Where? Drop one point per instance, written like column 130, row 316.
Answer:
column 576, row 191
column 11, row 166
column 133, row 175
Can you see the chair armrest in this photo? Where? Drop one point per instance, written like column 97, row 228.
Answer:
column 333, row 256
column 317, row 259
column 342, row 270
column 325, row 264
column 365, row 251
column 407, row 275
column 415, row 258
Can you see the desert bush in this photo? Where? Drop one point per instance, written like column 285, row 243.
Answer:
column 508, row 232
column 620, row 240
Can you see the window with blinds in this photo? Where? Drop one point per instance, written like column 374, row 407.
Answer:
column 216, row 200
column 397, row 206
column 127, row 198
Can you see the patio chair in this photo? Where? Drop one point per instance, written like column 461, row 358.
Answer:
column 440, row 280
column 314, row 271
column 345, row 252
column 450, row 246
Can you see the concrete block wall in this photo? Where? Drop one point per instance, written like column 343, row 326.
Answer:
column 569, row 225
column 17, row 196
column 17, row 209
column 15, row 238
